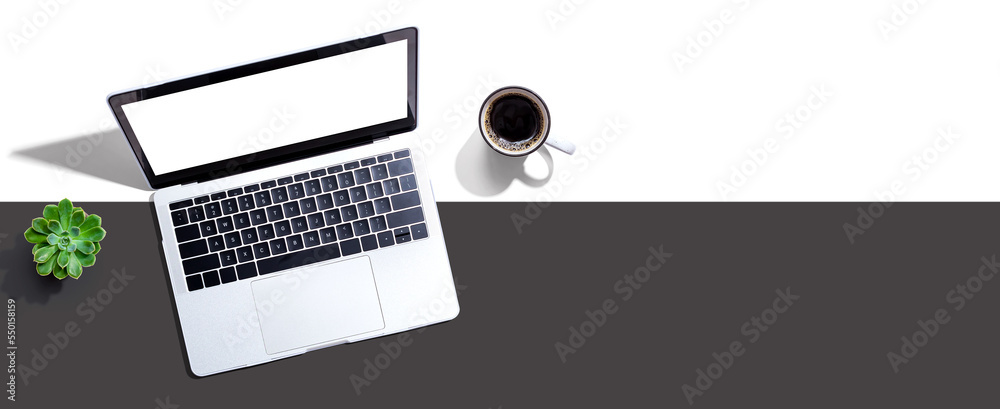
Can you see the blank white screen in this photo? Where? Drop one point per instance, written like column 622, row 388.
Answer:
column 272, row 109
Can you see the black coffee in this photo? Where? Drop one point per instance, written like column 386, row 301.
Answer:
column 514, row 118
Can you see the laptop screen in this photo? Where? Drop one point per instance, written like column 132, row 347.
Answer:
column 257, row 114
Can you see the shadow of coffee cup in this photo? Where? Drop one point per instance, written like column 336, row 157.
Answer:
column 484, row 173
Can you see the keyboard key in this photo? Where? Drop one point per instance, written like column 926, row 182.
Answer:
column 278, row 246
column 208, row 229
column 244, row 254
column 285, row 181
column 241, row 221
column 232, row 240
column 374, row 190
column 349, row 213
column 274, row 213
column 332, row 217
column 382, row 206
column 282, row 228
column 328, row 235
column 199, row 264
column 298, row 259
column 329, row 183
column 360, row 227
column 246, row 202
column 377, row 223
column 291, row 209
column 249, row 235
column 324, row 201
column 258, row 217
column 391, row 186
column 402, row 235
column 279, row 195
column 228, row 274
column 311, row 239
column 196, row 214
column 302, row 176
column 379, row 172
column 315, row 221
column 385, row 158
column 351, row 246
column 418, row 231
column 299, row 225
column 312, row 187
column 224, row 225
column 265, row 232
column 213, row 210
column 334, row 169
column 250, row 189
column 229, row 206
column 234, row 192
column 181, row 204
column 385, row 239
column 308, row 205
column 367, row 161
column 405, row 217
column 351, row 165
column 369, row 242
column 345, row 179
column 405, row 200
column 341, row 197
column 218, row 196
column 228, row 257
column 269, row 184
column 294, row 243
column 408, row 182
column 262, row 198
column 193, row 248
column 295, row 191
column 261, row 250
column 400, row 167
column 194, row 282
column 358, row 194
column 211, row 278
column 366, row 210
column 362, row 176
column 245, row 271
column 317, row 173
column 216, row 244
column 187, row 233
column 200, row 200
column 179, row 217
column 402, row 154
column 344, row 231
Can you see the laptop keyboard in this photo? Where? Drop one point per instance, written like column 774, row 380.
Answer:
column 297, row 220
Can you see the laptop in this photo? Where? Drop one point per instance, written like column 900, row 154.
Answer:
column 290, row 221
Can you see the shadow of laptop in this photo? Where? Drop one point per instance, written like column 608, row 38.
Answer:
column 104, row 155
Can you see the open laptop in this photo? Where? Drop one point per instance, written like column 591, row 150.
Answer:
column 289, row 221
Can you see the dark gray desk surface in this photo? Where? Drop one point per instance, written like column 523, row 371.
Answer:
column 520, row 293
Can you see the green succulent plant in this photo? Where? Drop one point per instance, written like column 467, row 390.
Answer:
column 66, row 240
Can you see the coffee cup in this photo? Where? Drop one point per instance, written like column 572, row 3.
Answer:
column 515, row 121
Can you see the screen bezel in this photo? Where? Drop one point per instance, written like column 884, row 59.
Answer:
column 283, row 154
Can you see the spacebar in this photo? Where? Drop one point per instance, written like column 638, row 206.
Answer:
column 298, row 258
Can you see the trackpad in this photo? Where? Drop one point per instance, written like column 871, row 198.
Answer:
column 316, row 305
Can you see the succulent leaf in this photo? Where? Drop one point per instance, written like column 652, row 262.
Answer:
column 33, row 236
column 46, row 267
column 52, row 238
column 71, row 248
column 51, row 212
column 65, row 212
column 96, row 234
column 43, row 254
column 59, row 271
column 92, row 221
column 77, row 218
column 97, row 248
column 74, row 231
column 40, row 225
column 74, row 269
column 84, row 246
column 34, row 249
column 63, row 258
column 86, row 260
column 55, row 227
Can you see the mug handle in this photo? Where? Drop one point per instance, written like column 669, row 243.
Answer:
column 561, row 145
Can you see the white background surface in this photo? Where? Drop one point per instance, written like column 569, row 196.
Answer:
column 592, row 61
